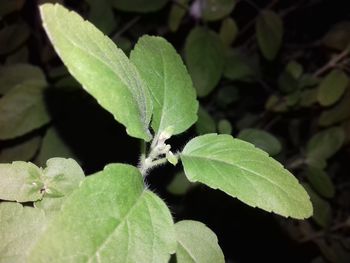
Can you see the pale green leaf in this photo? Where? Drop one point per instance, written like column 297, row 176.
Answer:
column 205, row 123
column 172, row 92
column 228, row 31
column 21, row 182
column 224, row 127
column 102, row 68
column 101, row 15
column 12, row 36
column 205, row 59
column 322, row 209
column 141, row 6
column 332, row 87
column 197, row 243
column 111, row 217
column 22, row 110
column 9, row 6
column 179, row 185
column 177, row 12
column 243, row 171
column 269, row 32
column 53, row 145
column 20, row 229
column 340, row 112
column 212, row 10
column 320, row 181
column 325, row 144
column 12, row 75
column 23, row 151
column 261, row 139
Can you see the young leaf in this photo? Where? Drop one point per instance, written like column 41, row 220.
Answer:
column 22, row 152
column 212, row 10
column 228, row 31
column 13, row 75
column 22, row 110
column 261, row 139
column 269, row 32
column 140, row 6
column 102, row 68
column 20, row 228
column 21, row 182
column 332, row 87
column 205, row 123
column 197, row 243
column 338, row 113
column 172, row 92
column 320, row 181
column 205, row 59
column 109, row 218
column 224, row 127
column 325, row 144
column 243, row 171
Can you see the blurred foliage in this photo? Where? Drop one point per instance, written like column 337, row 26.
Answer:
column 257, row 76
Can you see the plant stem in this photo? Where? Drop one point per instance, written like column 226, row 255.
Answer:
column 332, row 63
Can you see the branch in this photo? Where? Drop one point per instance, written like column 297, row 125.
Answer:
column 333, row 62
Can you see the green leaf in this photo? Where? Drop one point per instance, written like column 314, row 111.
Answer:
column 308, row 97
column 325, row 144
column 197, row 243
column 102, row 68
column 101, row 15
column 110, row 218
column 12, row 36
column 22, row 110
column 224, row 127
column 205, row 123
column 20, row 229
column 228, row 31
column 53, row 145
column 177, row 12
column 322, row 209
column 205, row 59
column 21, row 182
column 294, row 69
column 172, row 92
column 141, row 6
column 212, row 10
column 261, row 139
column 332, row 87
column 9, row 6
column 243, row 171
column 13, row 75
column 269, row 32
column 179, row 185
column 340, row 112
column 227, row 95
column 238, row 66
column 20, row 152
column 320, row 181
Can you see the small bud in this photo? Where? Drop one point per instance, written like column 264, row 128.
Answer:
column 173, row 159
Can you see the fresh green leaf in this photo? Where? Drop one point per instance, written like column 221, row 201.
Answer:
column 109, row 218
column 141, row 6
column 102, row 68
column 332, row 87
column 212, row 10
column 9, row 6
column 243, row 171
column 205, row 123
column 177, row 12
column 269, row 32
column 13, row 75
column 101, row 15
column 20, row 229
column 261, row 139
column 205, row 59
column 21, row 182
column 320, row 181
column 53, row 145
column 325, row 144
column 197, row 243
column 224, row 127
column 24, row 151
column 172, row 92
column 22, row 110
column 228, row 31
column 340, row 112
column 322, row 209
column 238, row 66
column 179, row 185
column 12, row 36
